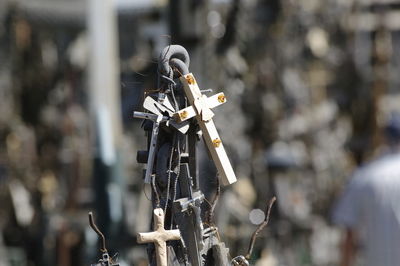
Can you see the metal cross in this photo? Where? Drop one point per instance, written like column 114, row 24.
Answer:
column 159, row 237
column 201, row 108
column 159, row 110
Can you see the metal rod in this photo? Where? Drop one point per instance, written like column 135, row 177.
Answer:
column 98, row 232
column 152, row 152
column 260, row 227
column 148, row 116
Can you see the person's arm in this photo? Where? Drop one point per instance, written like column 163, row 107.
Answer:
column 348, row 248
column 347, row 215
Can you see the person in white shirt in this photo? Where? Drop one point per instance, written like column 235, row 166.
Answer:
column 369, row 208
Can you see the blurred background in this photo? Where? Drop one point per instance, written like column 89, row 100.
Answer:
column 309, row 85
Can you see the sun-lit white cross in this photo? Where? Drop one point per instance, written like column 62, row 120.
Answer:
column 159, row 237
column 200, row 107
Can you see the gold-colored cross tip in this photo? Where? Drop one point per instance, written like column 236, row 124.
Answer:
column 217, row 142
column 222, row 98
column 190, row 79
column 183, row 115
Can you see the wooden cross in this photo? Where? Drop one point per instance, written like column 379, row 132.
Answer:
column 159, row 237
column 201, row 107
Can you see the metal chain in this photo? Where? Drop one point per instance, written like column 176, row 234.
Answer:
column 177, row 176
column 169, row 173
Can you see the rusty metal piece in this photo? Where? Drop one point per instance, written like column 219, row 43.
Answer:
column 217, row 143
column 222, row 98
column 190, row 79
column 183, row 115
column 98, row 232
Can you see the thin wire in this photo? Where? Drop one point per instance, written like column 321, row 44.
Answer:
column 177, row 70
column 142, row 59
column 174, row 98
column 168, row 79
column 114, row 258
column 151, row 91
column 144, row 192
column 208, row 202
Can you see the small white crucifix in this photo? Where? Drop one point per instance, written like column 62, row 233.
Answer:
column 201, row 106
column 159, row 237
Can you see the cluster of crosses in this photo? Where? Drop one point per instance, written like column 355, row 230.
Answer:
column 177, row 115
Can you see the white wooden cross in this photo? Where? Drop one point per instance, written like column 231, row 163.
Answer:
column 159, row 237
column 201, row 107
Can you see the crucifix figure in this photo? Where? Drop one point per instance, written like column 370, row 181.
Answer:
column 159, row 237
column 201, row 108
